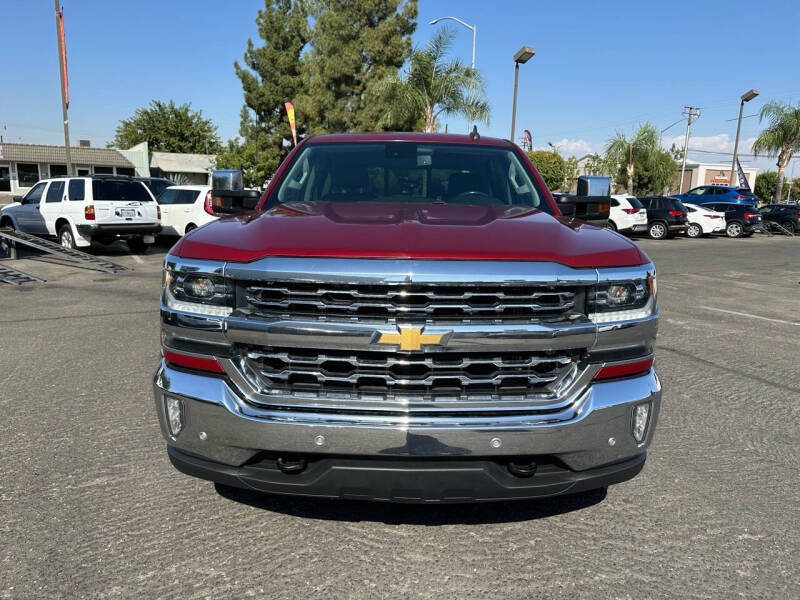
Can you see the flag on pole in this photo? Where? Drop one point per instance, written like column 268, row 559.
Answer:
column 290, row 114
column 63, row 50
column 527, row 143
column 742, row 179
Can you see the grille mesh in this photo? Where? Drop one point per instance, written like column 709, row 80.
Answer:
column 391, row 375
column 417, row 302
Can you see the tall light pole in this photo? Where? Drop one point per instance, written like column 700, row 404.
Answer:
column 62, row 69
column 474, row 28
column 522, row 56
column 691, row 111
column 746, row 97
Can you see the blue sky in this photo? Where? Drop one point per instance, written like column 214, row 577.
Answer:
column 599, row 66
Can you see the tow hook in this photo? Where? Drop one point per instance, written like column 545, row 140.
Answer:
column 522, row 469
column 291, row 466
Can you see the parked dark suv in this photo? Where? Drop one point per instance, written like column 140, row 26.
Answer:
column 741, row 220
column 787, row 215
column 666, row 217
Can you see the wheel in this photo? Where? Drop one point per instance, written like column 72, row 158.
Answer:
column 694, row 230
column 65, row 237
column 6, row 222
column 611, row 225
column 734, row 230
column 657, row 230
column 789, row 226
column 189, row 227
column 137, row 245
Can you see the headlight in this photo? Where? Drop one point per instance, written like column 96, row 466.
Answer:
column 622, row 300
column 195, row 292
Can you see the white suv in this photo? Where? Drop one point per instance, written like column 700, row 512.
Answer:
column 185, row 207
column 627, row 215
column 78, row 210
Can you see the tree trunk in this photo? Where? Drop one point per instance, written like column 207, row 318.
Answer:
column 630, row 178
column 430, row 120
column 779, row 188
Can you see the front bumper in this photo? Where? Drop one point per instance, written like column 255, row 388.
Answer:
column 222, row 436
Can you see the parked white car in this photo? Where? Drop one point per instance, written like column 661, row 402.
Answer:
column 185, row 207
column 78, row 210
column 703, row 221
column 627, row 215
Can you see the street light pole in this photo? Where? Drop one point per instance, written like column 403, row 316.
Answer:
column 62, row 70
column 746, row 97
column 474, row 28
column 522, row 56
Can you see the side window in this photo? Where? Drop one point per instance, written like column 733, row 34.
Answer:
column 614, row 202
column 167, row 196
column 55, row 192
column 187, row 196
column 35, row 195
column 690, row 208
column 696, row 191
column 76, row 189
column 720, row 191
column 709, row 191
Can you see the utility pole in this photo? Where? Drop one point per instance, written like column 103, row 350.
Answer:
column 690, row 112
column 62, row 71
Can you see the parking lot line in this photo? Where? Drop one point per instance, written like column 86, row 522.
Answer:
column 749, row 315
column 137, row 258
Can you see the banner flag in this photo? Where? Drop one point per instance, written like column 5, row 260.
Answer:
column 290, row 113
column 63, row 56
column 527, row 143
column 742, row 179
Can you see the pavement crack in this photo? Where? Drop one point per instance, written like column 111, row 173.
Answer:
column 684, row 353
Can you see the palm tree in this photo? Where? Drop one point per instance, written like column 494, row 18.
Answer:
column 781, row 137
column 434, row 87
column 620, row 150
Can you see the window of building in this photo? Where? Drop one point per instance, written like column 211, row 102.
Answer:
column 27, row 174
column 55, row 192
column 84, row 172
column 125, row 171
column 5, row 178
column 58, row 170
column 104, row 170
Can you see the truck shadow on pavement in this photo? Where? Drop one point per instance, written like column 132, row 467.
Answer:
column 414, row 514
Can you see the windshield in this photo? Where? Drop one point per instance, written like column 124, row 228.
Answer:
column 110, row 189
column 408, row 172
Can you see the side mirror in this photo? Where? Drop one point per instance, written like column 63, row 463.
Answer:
column 19, row 199
column 567, row 209
column 227, row 195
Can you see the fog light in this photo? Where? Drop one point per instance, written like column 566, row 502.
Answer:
column 174, row 414
column 640, row 415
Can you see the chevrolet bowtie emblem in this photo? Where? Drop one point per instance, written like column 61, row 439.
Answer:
column 410, row 338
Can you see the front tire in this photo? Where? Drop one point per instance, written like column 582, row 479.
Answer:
column 734, row 230
column 137, row 245
column 65, row 237
column 694, row 230
column 657, row 230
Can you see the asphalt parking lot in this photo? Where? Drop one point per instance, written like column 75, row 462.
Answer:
column 91, row 507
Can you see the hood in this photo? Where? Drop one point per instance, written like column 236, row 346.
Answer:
column 414, row 231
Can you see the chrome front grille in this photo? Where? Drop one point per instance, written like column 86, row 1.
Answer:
column 412, row 302
column 359, row 374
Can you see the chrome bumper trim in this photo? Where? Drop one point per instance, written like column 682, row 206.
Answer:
column 235, row 431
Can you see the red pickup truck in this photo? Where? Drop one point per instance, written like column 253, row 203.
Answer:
column 407, row 317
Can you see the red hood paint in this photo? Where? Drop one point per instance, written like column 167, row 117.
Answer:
column 417, row 231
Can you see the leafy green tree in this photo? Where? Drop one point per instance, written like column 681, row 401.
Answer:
column 434, row 86
column 246, row 157
column 270, row 76
column 570, row 173
column 653, row 172
column 781, row 137
column 551, row 167
column 595, row 165
column 766, row 187
column 353, row 47
column 167, row 127
column 620, row 151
